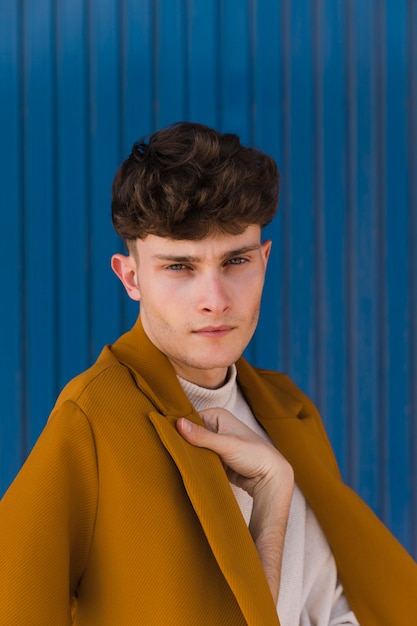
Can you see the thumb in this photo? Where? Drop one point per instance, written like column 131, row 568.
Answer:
column 198, row 435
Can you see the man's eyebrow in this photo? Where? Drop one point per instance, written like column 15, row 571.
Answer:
column 176, row 258
column 240, row 251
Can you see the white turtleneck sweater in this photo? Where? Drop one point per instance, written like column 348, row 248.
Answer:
column 310, row 593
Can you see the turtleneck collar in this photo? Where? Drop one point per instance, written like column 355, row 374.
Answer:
column 203, row 398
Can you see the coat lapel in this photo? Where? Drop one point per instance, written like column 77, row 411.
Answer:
column 216, row 508
column 373, row 567
column 203, row 476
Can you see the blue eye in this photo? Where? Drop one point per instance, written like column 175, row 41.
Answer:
column 237, row 261
column 177, row 267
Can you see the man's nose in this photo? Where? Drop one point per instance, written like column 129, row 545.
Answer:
column 214, row 294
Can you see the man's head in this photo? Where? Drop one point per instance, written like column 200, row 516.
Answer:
column 187, row 181
column 190, row 204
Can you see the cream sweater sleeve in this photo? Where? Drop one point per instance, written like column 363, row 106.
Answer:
column 310, row 594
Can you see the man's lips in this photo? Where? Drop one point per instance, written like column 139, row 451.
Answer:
column 214, row 331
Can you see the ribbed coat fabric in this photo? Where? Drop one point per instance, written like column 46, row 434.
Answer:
column 114, row 519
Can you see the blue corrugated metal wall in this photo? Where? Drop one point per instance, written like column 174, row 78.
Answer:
column 329, row 87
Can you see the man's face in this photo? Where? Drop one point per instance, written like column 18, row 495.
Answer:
column 199, row 299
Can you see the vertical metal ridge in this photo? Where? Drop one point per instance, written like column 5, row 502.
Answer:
column 89, row 191
column 24, row 437
column 380, row 200
column 12, row 288
column 319, row 322
column 252, row 30
column 155, row 62
column 55, row 183
column 221, row 48
column 186, row 58
column 218, row 62
column 412, row 153
column 122, row 66
column 286, row 183
column 351, row 226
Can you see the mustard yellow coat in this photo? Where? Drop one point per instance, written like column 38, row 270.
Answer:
column 116, row 521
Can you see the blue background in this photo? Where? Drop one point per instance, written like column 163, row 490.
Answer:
column 329, row 88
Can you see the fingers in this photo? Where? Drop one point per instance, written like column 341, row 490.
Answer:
column 223, row 422
column 205, row 437
column 252, row 463
column 236, row 444
column 193, row 433
column 212, row 419
column 219, row 426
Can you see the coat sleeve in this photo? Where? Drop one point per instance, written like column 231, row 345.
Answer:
column 46, row 523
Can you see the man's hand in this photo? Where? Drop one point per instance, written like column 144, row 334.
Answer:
column 259, row 468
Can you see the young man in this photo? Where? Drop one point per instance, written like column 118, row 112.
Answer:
column 174, row 483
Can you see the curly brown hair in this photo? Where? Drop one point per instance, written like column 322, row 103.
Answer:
column 187, row 181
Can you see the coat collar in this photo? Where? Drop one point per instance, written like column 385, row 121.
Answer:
column 156, row 377
column 152, row 371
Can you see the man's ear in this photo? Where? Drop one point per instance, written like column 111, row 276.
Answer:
column 125, row 268
column 265, row 251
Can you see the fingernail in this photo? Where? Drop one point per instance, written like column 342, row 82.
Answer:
column 186, row 425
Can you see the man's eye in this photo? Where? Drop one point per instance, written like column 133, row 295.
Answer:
column 177, row 267
column 237, row 261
